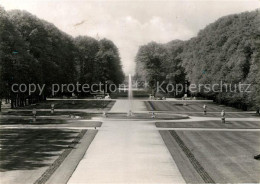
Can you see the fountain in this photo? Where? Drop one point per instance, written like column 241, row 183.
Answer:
column 126, row 111
column 130, row 96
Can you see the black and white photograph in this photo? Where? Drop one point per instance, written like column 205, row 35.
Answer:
column 129, row 91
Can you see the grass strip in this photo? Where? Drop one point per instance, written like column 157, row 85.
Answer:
column 195, row 163
column 54, row 166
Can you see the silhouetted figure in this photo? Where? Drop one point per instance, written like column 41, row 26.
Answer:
column 34, row 115
column 205, row 109
column 153, row 115
column 223, row 116
column 52, row 108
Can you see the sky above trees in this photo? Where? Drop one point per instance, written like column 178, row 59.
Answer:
column 131, row 23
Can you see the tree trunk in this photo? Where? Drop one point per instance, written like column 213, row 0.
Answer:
column 12, row 103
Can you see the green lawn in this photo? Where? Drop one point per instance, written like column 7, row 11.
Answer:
column 82, row 115
column 189, row 107
column 76, row 104
column 26, row 149
column 28, row 121
column 33, row 155
column 54, row 123
column 211, row 124
column 224, row 156
column 196, row 109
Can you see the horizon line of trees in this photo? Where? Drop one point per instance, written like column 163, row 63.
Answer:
column 227, row 50
column 35, row 51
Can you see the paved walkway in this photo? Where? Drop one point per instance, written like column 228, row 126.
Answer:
column 125, row 105
column 126, row 151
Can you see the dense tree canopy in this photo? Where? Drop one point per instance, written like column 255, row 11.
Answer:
column 86, row 55
column 226, row 50
column 152, row 57
column 16, row 64
column 109, row 68
column 52, row 49
column 35, row 51
column 159, row 64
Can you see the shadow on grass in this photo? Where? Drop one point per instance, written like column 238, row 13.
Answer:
column 30, row 149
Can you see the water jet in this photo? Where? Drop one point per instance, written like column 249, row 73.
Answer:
column 130, row 96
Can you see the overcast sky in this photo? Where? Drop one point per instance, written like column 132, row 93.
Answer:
column 131, row 23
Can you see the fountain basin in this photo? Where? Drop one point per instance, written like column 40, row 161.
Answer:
column 146, row 116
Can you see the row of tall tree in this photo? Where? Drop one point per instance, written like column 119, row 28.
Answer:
column 160, row 64
column 227, row 50
column 35, row 51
